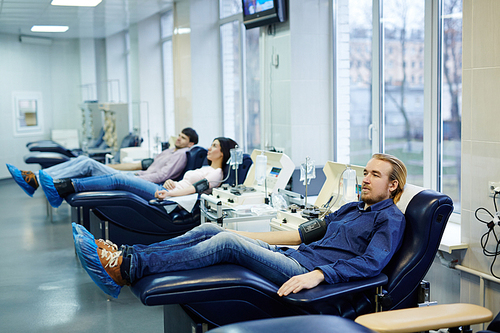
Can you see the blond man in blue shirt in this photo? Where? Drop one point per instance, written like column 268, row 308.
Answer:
column 357, row 241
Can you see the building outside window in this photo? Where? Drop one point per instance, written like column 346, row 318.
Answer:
column 382, row 77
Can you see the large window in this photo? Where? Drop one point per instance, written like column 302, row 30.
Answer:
column 403, row 68
column 387, row 65
column 240, row 77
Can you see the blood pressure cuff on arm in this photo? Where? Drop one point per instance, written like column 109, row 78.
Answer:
column 312, row 230
column 145, row 163
column 201, row 186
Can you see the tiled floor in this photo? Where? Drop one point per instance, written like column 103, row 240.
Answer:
column 43, row 287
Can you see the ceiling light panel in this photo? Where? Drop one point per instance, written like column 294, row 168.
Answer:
column 78, row 3
column 49, row 28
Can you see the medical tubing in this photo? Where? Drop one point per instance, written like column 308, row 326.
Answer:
column 491, row 230
column 328, row 210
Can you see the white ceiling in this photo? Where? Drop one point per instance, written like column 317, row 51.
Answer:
column 107, row 18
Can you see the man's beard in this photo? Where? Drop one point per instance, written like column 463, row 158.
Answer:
column 372, row 200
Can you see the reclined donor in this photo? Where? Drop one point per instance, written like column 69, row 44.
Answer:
column 357, row 241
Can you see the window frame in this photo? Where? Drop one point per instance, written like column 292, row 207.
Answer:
column 433, row 122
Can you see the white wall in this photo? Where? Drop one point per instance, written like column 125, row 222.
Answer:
column 311, row 90
column 53, row 70
column 150, row 78
column 480, row 139
column 88, row 69
column 116, row 65
column 205, row 70
column 296, row 94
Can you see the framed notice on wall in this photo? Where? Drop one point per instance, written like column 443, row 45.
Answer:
column 28, row 113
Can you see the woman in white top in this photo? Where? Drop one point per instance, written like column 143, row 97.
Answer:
column 217, row 156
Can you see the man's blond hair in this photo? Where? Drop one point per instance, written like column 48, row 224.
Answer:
column 398, row 173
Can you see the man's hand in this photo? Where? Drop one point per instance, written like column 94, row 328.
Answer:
column 302, row 281
column 161, row 194
column 169, row 184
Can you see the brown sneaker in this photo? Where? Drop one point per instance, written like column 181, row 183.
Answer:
column 111, row 262
column 107, row 245
column 30, row 178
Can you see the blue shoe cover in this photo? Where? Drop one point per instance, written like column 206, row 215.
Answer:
column 79, row 229
column 48, row 187
column 16, row 174
column 86, row 249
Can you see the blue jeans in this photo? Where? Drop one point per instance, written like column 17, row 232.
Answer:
column 118, row 181
column 79, row 167
column 209, row 244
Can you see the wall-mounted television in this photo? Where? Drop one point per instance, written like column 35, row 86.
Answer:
column 263, row 12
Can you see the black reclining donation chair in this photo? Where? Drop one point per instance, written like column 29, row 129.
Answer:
column 456, row 317
column 296, row 324
column 48, row 153
column 225, row 294
column 126, row 218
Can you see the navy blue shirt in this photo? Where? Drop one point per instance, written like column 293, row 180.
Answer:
column 358, row 243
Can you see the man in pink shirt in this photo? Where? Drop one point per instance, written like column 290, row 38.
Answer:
column 167, row 165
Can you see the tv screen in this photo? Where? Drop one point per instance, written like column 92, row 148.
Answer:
column 262, row 12
column 256, row 6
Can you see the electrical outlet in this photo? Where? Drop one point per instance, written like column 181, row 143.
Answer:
column 491, row 188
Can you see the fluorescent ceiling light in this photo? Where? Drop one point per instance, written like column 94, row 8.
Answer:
column 49, row 28
column 80, row 3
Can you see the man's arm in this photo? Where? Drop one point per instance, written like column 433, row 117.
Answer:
column 303, row 281
column 127, row 166
column 273, row 237
column 171, row 168
column 296, row 283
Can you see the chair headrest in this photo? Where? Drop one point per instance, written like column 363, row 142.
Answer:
column 408, row 193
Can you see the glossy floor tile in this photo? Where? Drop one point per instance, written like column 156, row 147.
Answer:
column 43, row 287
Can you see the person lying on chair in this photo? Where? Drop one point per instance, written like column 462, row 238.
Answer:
column 357, row 241
column 169, row 164
column 208, row 176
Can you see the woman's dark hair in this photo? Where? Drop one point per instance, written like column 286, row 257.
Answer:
column 191, row 133
column 226, row 144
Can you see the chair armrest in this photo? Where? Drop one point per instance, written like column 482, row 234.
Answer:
column 112, row 198
column 324, row 292
column 426, row 318
column 45, row 159
column 226, row 280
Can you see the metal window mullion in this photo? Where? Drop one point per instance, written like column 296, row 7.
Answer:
column 432, row 95
column 243, row 85
column 378, row 82
column 234, row 17
column 334, row 74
